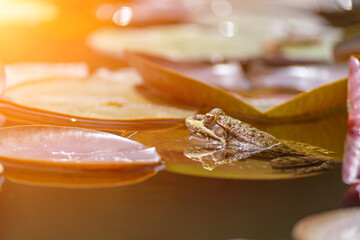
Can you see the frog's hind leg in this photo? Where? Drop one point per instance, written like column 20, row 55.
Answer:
column 301, row 164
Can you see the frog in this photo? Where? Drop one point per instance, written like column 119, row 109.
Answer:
column 241, row 141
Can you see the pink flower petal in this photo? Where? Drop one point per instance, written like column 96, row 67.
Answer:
column 351, row 163
column 354, row 93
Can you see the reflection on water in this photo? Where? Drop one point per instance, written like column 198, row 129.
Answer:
column 212, row 156
column 67, row 178
column 352, row 196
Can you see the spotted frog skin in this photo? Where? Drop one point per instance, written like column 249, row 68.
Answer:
column 241, row 140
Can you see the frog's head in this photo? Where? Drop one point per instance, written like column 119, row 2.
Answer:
column 205, row 126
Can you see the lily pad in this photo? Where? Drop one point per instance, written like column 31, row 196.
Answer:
column 240, row 34
column 181, row 43
column 173, row 144
column 319, row 49
column 73, row 148
column 104, row 100
column 18, row 73
column 317, row 132
column 331, row 225
column 140, row 13
column 194, row 92
column 297, row 77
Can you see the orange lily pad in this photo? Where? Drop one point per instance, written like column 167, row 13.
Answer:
column 104, row 100
column 197, row 93
column 73, row 148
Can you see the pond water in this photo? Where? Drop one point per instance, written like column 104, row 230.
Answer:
column 168, row 206
column 182, row 201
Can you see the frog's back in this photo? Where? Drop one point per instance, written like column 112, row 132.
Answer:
column 244, row 132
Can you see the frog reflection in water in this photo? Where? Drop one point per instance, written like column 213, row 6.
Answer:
column 236, row 140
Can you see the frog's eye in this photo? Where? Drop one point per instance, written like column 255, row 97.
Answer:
column 209, row 118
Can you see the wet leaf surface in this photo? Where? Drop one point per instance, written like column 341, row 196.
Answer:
column 192, row 91
column 336, row 224
column 173, row 145
column 317, row 132
column 74, row 148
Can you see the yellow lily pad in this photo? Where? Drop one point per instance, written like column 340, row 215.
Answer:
column 104, row 100
column 192, row 91
column 172, row 145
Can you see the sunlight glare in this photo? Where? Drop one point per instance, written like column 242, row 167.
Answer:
column 123, row 16
column 26, row 12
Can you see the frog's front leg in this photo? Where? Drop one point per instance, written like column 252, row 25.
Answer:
column 302, row 164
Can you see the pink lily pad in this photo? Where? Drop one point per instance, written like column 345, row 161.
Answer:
column 69, row 147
